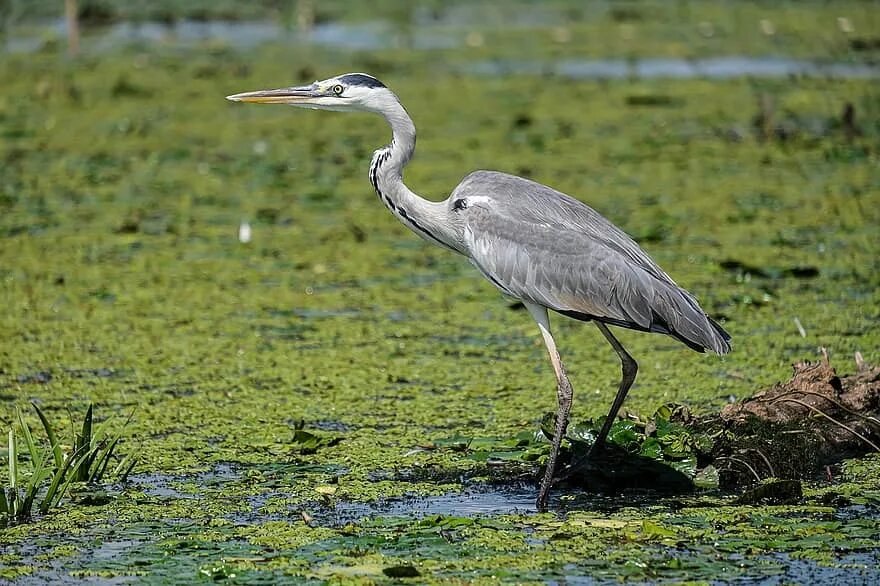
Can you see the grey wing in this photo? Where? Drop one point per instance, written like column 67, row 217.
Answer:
column 550, row 249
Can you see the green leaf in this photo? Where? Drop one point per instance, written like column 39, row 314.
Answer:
column 665, row 429
column 305, row 440
column 218, row 572
column 104, row 459
column 458, row 443
column 84, row 446
column 124, row 468
column 652, row 448
column 688, row 466
column 50, row 433
column 58, row 488
column 624, row 434
column 34, row 484
column 13, row 460
column 664, row 412
column 656, row 530
column 585, row 432
column 86, row 434
column 308, row 443
column 702, row 442
column 29, row 441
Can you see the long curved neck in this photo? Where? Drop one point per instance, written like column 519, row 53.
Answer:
column 425, row 218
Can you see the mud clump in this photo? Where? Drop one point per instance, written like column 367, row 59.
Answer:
column 798, row 428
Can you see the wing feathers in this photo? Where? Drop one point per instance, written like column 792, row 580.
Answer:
column 585, row 271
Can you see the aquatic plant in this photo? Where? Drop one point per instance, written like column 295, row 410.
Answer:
column 96, row 448
column 18, row 498
column 52, row 472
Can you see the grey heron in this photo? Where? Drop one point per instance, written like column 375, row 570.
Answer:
column 535, row 244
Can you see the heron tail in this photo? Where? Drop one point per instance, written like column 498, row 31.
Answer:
column 678, row 314
column 672, row 311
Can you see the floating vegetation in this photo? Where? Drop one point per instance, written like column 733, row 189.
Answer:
column 306, row 442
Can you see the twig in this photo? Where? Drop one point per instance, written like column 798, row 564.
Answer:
column 832, row 420
column 836, row 403
column 72, row 17
column 766, row 460
column 744, row 463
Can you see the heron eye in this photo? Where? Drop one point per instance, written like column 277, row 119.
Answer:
column 337, row 89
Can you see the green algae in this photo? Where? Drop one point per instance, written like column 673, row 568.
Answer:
column 123, row 182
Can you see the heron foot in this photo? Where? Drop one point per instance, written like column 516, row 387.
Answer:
column 595, row 451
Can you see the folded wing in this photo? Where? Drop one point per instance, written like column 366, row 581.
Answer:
column 553, row 250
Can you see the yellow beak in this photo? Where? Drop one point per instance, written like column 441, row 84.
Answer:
column 288, row 95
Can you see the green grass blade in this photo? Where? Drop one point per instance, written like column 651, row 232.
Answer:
column 13, row 463
column 99, row 431
column 125, row 467
column 85, row 438
column 87, row 425
column 103, row 461
column 68, row 475
column 30, row 493
column 84, row 442
column 53, row 440
column 54, row 487
column 64, row 476
column 86, row 463
column 33, row 448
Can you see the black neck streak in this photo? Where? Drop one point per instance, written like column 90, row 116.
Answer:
column 379, row 160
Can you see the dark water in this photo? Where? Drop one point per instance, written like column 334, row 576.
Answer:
column 469, row 503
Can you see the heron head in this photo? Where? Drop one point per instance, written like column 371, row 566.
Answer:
column 349, row 92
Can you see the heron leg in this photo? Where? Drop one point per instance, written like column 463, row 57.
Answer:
column 564, row 395
column 630, row 367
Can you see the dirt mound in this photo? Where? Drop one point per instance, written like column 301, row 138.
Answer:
column 796, row 428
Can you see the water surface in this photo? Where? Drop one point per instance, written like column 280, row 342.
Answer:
column 381, row 35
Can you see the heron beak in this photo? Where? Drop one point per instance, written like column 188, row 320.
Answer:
column 287, row 95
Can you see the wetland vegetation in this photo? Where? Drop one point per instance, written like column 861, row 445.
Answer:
column 336, row 400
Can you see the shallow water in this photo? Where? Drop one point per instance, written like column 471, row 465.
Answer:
column 378, row 35
column 413, row 525
column 709, row 68
column 237, row 34
column 468, row 503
